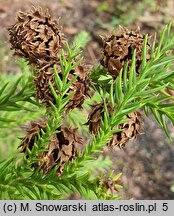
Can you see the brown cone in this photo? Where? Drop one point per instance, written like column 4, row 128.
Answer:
column 36, row 37
column 61, row 149
column 118, row 49
column 96, row 116
column 130, row 129
column 80, row 87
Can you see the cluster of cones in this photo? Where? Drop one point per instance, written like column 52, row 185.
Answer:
column 39, row 39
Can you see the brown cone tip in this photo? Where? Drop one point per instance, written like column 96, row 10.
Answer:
column 96, row 116
column 81, row 87
column 32, row 131
column 109, row 184
column 36, row 36
column 61, row 149
column 130, row 129
column 118, row 49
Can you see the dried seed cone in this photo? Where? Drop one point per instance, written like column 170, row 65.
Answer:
column 61, row 149
column 130, row 129
column 36, row 36
column 80, row 87
column 118, row 49
column 96, row 116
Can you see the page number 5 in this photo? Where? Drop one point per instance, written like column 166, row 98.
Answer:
column 165, row 207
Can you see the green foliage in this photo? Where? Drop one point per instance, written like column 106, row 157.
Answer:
column 124, row 13
column 104, row 6
column 10, row 98
column 13, row 95
column 17, row 106
column 81, row 40
column 130, row 92
column 172, row 188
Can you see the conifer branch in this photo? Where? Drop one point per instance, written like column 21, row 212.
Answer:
column 62, row 83
column 131, row 93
